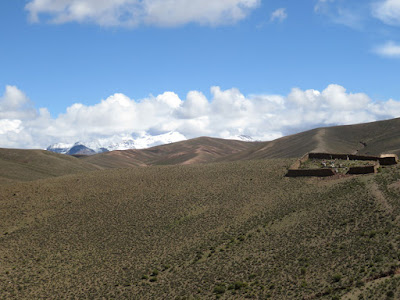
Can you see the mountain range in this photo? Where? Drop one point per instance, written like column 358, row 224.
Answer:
column 124, row 142
column 369, row 138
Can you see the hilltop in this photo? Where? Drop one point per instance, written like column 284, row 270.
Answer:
column 24, row 165
column 370, row 138
column 194, row 151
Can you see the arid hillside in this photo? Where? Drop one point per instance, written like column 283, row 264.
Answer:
column 194, row 151
column 371, row 138
column 24, row 165
column 229, row 230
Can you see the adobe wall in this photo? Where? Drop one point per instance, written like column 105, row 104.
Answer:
column 363, row 170
column 295, row 171
column 388, row 159
column 310, row 172
column 342, row 156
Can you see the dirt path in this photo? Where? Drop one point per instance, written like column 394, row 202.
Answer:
column 319, row 137
column 353, row 294
column 380, row 197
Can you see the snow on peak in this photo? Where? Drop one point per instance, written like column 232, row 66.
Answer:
column 122, row 142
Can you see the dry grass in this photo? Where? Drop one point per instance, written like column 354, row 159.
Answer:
column 228, row 230
column 26, row 165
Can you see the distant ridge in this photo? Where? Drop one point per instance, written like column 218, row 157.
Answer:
column 26, row 165
column 198, row 150
column 373, row 138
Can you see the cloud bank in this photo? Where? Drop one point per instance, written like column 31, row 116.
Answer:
column 130, row 13
column 228, row 113
column 388, row 11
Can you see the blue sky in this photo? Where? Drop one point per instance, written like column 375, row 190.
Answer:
column 57, row 53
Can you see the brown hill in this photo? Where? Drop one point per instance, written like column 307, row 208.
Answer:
column 237, row 230
column 369, row 138
column 25, row 165
column 198, row 150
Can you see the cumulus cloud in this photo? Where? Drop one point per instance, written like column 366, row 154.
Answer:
column 135, row 12
column 390, row 49
column 226, row 114
column 278, row 15
column 388, row 11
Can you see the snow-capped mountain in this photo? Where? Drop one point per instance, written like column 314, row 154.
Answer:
column 243, row 138
column 116, row 143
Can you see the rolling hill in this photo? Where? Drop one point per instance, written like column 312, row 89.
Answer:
column 25, row 165
column 370, row 138
column 194, row 151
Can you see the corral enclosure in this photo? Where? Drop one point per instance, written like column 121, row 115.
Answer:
column 329, row 164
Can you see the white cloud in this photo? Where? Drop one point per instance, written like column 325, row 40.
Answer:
column 135, row 12
column 228, row 113
column 350, row 13
column 14, row 104
column 279, row 15
column 390, row 49
column 388, row 11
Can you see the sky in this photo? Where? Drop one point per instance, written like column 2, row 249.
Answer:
column 74, row 70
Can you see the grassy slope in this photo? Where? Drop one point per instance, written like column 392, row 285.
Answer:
column 24, row 165
column 240, row 229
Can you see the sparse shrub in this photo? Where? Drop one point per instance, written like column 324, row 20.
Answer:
column 336, row 277
column 390, row 294
column 239, row 285
column 360, row 283
column 219, row 289
column 241, row 238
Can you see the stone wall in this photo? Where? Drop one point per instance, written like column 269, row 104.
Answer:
column 364, row 169
column 342, row 156
column 388, row 159
column 295, row 171
column 310, row 172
